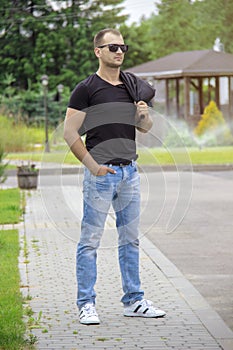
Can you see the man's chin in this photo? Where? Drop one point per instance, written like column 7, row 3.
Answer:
column 114, row 65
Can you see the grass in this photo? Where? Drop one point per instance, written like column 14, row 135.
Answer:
column 18, row 136
column 214, row 155
column 12, row 327
column 51, row 157
column 10, row 208
column 147, row 156
column 210, row 155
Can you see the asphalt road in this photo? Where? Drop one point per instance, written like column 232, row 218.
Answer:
column 201, row 246
column 188, row 216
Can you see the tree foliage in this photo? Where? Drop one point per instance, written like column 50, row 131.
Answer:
column 181, row 25
column 38, row 39
column 174, row 28
column 138, row 37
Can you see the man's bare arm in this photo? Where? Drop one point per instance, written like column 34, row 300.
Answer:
column 73, row 121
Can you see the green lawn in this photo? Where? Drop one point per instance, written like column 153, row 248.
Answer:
column 162, row 156
column 12, row 327
column 10, row 209
column 51, row 157
column 214, row 155
column 147, row 156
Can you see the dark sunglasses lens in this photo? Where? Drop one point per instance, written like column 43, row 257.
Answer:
column 124, row 48
column 114, row 48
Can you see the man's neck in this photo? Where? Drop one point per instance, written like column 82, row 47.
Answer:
column 111, row 75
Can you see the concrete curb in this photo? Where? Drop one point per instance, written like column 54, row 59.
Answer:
column 57, row 170
column 209, row 318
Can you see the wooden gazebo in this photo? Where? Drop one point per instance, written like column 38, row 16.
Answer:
column 199, row 72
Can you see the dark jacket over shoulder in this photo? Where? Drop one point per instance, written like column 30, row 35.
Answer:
column 138, row 89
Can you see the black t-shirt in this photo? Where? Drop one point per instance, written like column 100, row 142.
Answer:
column 109, row 124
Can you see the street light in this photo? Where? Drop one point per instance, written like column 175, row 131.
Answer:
column 60, row 88
column 45, row 81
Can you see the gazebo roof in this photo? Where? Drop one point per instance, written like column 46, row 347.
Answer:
column 202, row 63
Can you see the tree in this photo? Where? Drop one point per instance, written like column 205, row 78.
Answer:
column 214, row 19
column 137, row 36
column 38, row 39
column 20, row 26
column 227, row 25
column 209, row 21
column 173, row 29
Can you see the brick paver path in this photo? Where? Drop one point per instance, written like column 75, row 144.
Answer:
column 50, row 277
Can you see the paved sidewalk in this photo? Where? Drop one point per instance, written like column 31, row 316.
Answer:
column 49, row 278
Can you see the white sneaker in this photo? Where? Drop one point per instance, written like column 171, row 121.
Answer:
column 143, row 308
column 88, row 314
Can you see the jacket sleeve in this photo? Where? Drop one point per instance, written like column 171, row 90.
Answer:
column 139, row 90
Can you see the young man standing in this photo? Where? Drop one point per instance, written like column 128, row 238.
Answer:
column 102, row 107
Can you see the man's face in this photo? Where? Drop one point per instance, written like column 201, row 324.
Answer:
column 107, row 58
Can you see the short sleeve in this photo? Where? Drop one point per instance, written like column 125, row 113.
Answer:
column 79, row 97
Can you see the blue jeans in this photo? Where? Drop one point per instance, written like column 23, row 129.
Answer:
column 122, row 190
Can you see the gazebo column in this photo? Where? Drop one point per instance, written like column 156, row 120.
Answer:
column 186, row 98
column 177, row 98
column 200, row 94
column 209, row 90
column 217, row 98
column 167, row 97
column 230, row 102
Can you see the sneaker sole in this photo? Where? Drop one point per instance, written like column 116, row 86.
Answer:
column 133, row 314
column 87, row 323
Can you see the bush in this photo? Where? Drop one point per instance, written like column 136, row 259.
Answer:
column 28, row 107
column 3, row 166
column 212, row 129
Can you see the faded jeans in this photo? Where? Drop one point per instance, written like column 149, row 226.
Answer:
column 122, row 191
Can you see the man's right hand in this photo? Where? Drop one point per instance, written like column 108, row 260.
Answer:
column 103, row 170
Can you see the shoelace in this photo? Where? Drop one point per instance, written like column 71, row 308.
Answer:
column 90, row 309
column 146, row 302
column 149, row 304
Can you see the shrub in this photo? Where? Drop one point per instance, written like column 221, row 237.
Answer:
column 28, row 107
column 3, row 166
column 212, row 129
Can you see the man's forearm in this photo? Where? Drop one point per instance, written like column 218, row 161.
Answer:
column 81, row 153
column 73, row 122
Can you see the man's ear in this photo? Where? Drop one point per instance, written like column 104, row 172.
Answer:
column 97, row 52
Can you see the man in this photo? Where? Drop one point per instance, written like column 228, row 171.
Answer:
column 102, row 107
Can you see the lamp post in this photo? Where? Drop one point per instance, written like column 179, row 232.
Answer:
column 60, row 88
column 45, row 81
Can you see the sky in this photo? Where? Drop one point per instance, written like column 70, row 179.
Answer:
column 137, row 8
column 134, row 8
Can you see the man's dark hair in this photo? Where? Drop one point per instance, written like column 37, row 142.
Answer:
column 99, row 36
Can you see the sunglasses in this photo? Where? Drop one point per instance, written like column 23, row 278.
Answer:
column 115, row 47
